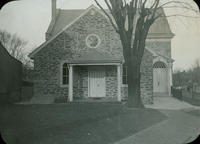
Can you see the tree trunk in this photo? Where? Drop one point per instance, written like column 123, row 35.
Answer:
column 134, row 97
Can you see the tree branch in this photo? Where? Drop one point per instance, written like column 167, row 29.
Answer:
column 110, row 19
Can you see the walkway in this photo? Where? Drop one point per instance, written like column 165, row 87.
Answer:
column 179, row 128
column 169, row 103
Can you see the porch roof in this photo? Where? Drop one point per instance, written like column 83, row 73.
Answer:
column 94, row 56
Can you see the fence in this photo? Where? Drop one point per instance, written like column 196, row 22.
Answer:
column 177, row 93
column 187, row 94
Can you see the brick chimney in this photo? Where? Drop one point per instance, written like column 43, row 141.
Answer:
column 53, row 19
column 53, row 6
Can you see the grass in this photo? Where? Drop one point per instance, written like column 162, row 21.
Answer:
column 192, row 101
column 192, row 98
column 73, row 123
column 193, row 112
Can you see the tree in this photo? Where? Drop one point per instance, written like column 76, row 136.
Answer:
column 132, row 20
column 15, row 46
column 196, row 72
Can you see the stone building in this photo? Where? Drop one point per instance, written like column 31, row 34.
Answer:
column 82, row 59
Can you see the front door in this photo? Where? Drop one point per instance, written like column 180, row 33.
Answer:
column 160, row 81
column 96, row 81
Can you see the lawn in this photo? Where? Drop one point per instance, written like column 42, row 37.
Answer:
column 192, row 98
column 73, row 123
column 192, row 101
column 194, row 112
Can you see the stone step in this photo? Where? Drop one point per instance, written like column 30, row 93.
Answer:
column 43, row 99
column 160, row 94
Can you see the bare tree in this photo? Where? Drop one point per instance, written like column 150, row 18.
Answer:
column 132, row 20
column 15, row 46
column 182, row 78
column 196, row 71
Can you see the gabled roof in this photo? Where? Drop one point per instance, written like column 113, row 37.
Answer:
column 95, row 56
column 66, row 18
column 155, row 54
column 31, row 55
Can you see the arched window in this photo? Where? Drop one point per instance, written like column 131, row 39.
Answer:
column 159, row 64
column 124, row 76
column 65, row 74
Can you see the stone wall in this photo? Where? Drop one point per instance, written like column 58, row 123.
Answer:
column 146, row 81
column 70, row 44
column 111, row 82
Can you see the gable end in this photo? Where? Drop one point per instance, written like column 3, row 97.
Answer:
column 31, row 55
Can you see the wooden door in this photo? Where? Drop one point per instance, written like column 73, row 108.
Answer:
column 97, row 85
column 160, row 80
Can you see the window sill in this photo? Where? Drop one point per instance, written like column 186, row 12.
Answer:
column 124, row 85
column 64, row 86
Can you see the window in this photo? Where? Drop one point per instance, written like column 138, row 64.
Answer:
column 159, row 64
column 92, row 41
column 65, row 74
column 124, row 76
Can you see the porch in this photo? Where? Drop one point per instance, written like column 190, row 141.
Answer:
column 94, row 76
column 94, row 83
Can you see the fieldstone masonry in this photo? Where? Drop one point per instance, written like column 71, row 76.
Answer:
column 71, row 44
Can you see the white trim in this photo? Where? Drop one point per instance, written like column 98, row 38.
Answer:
column 124, row 85
column 119, row 98
column 70, row 92
column 64, row 86
column 158, row 40
column 160, row 36
column 89, row 64
column 31, row 55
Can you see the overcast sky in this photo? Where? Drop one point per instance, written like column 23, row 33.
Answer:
column 30, row 20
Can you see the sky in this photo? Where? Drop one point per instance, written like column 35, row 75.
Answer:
column 29, row 19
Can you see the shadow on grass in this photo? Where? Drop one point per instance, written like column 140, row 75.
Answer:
column 74, row 123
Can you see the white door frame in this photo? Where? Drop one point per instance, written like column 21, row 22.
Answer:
column 103, row 79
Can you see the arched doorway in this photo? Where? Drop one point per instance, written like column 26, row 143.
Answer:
column 160, row 79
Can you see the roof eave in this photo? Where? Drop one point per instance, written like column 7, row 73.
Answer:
column 96, row 62
column 160, row 35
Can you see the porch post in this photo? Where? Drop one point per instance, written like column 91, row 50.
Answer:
column 70, row 92
column 170, row 78
column 119, row 82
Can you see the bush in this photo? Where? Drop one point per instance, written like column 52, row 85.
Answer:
column 177, row 93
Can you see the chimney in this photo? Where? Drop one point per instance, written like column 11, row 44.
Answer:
column 53, row 5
